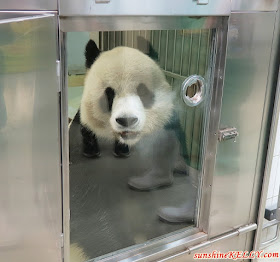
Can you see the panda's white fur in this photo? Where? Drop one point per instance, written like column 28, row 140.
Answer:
column 123, row 69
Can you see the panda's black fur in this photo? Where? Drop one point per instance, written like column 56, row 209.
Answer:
column 91, row 53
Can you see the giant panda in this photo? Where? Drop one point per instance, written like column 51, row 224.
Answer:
column 128, row 101
column 126, row 96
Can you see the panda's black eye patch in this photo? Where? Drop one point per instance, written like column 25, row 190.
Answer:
column 110, row 94
column 147, row 97
column 107, row 99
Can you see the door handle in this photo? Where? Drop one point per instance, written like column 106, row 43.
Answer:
column 202, row 2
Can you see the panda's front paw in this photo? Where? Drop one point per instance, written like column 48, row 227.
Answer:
column 91, row 150
column 121, row 150
column 90, row 143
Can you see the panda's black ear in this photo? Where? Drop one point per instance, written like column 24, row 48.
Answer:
column 91, row 53
column 145, row 46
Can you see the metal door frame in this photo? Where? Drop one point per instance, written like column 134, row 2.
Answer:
column 171, row 244
column 144, row 8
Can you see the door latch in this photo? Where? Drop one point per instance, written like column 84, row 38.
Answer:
column 227, row 134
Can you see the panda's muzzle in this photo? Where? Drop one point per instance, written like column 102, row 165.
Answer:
column 128, row 118
column 128, row 135
column 127, row 124
column 127, row 121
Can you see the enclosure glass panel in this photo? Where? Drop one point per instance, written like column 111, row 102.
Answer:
column 137, row 135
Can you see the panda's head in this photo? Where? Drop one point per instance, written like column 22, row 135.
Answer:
column 125, row 95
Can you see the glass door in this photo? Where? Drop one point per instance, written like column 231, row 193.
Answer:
column 139, row 114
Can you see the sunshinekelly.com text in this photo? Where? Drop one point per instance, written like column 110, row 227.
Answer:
column 234, row 255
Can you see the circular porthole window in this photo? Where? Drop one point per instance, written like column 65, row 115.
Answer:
column 193, row 90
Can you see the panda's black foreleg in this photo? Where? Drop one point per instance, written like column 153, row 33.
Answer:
column 121, row 150
column 90, row 143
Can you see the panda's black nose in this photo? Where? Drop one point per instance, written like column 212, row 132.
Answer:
column 126, row 121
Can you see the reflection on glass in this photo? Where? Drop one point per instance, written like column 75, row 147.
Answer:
column 136, row 148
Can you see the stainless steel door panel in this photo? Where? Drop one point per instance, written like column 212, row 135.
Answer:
column 245, row 90
column 30, row 181
column 28, row 5
column 255, row 5
column 120, row 23
column 145, row 7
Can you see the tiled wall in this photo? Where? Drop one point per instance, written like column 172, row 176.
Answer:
column 274, row 182
column 274, row 186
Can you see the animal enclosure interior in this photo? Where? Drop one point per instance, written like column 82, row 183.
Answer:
column 121, row 200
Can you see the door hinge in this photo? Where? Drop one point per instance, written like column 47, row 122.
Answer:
column 58, row 73
column 62, row 240
column 62, row 245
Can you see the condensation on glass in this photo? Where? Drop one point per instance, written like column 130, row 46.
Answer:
column 108, row 215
